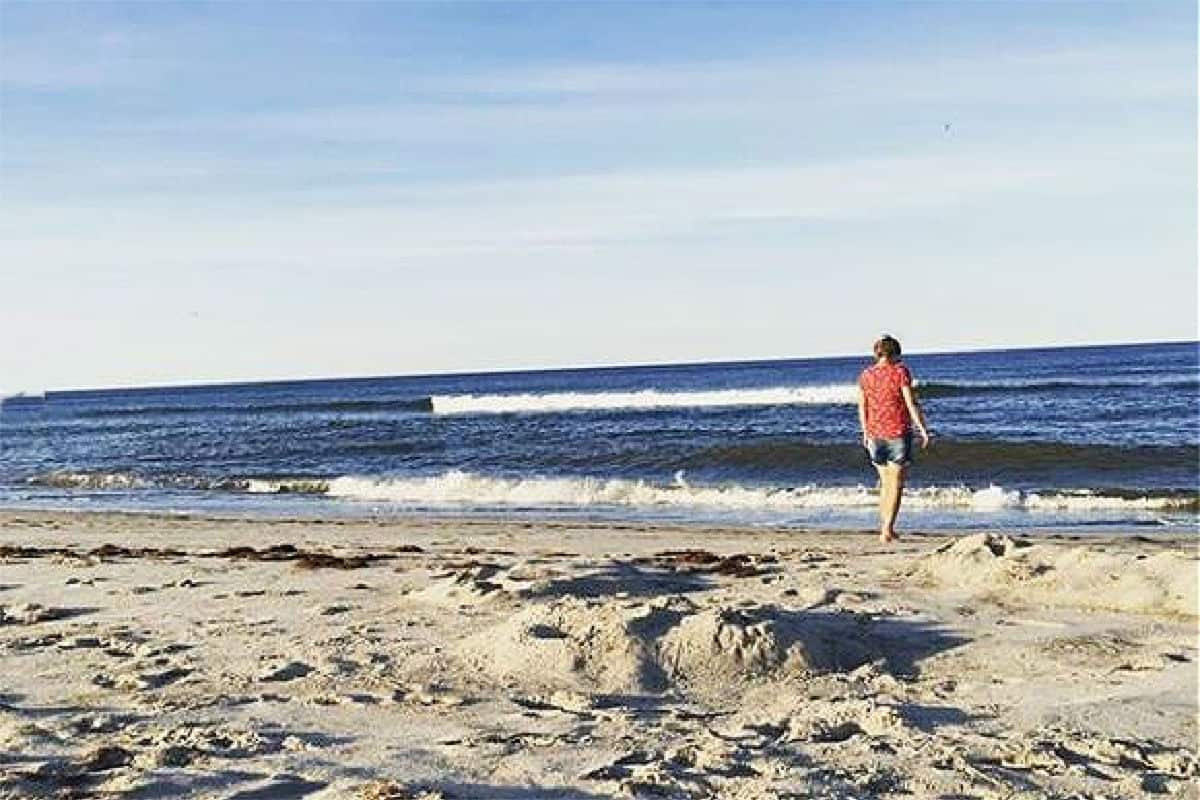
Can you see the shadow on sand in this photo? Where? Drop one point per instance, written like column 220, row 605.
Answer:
column 623, row 579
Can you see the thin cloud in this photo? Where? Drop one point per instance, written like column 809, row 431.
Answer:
column 563, row 212
column 540, row 103
column 1132, row 71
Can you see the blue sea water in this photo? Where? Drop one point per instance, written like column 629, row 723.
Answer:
column 1042, row 438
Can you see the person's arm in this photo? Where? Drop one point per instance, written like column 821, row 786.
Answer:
column 914, row 411
column 862, row 413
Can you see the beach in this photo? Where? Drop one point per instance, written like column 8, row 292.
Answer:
column 518, row 400
column 148, row 655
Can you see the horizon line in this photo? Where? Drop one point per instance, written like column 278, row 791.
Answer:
column 462, row 373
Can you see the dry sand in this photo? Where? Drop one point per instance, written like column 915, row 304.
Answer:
column 164, row 657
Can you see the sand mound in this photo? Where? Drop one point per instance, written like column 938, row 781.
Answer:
column 1002, row 568
column 722, row 643
column 712, row 650
column 613, row 647
column 837, row 721
column 574, row 643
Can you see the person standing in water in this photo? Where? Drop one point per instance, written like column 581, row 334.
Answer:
column 887, row 411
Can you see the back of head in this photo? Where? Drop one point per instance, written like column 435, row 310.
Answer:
column 887, row 347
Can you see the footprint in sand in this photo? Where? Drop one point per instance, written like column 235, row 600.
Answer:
column 80, row 643
column 101, row 723
column 286, row 672
column 428, row 695
column 335, row 609
column 145, row 681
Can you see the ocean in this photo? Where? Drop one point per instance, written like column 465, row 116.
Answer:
column 1087, row 438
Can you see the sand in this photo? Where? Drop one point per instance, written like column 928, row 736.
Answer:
column 149, row 657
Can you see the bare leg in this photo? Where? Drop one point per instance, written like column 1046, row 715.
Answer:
column 884, row 500
column 891, row 488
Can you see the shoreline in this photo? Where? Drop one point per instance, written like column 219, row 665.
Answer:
column 1090, row 533
column 145, row 655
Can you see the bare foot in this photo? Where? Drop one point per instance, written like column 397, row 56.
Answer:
column 888, row 536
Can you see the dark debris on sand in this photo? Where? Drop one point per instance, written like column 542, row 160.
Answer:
column 303, row 559
column 102, row 552
column 737, row 565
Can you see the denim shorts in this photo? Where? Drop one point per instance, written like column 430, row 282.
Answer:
column 895, row 451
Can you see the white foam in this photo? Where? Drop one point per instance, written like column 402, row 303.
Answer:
column 286, row 486
column 647, row 399
column 90, row 480
column 466, row 490
column 1087, row 501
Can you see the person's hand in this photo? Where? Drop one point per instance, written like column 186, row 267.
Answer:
column 924, row 439
column 866, row 441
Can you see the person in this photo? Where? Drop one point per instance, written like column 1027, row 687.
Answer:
column 887, row 412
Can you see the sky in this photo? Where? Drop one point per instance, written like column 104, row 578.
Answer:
column 196, row 192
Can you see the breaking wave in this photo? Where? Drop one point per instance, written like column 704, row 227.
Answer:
column 124, row 481
column 464, row 490
column 91, row 480
column 643, row 399
column 551, row 402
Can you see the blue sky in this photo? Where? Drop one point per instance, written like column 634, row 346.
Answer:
column 231, row 191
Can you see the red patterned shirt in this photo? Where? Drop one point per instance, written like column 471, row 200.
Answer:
column 887, row 415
